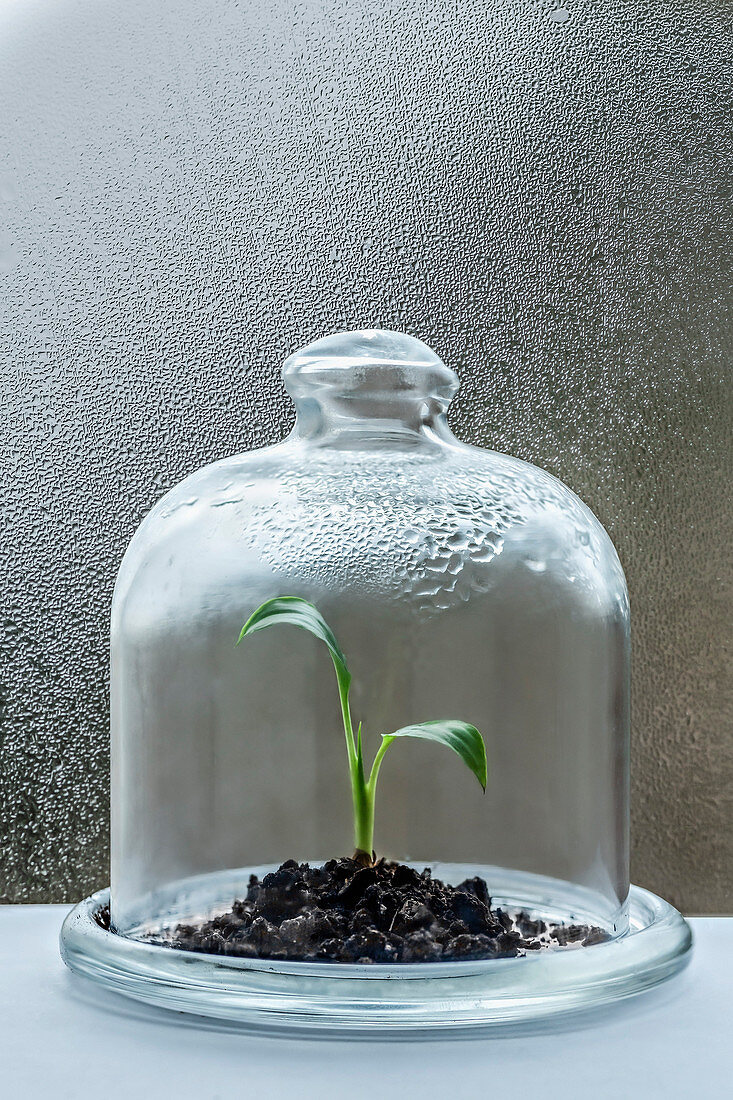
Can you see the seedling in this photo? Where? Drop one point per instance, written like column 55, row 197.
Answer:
column 462, row 738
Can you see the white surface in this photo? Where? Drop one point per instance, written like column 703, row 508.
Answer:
column 61, row 1037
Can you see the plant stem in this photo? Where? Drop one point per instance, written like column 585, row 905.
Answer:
column 363, row 798
column 348, row 727
column 363, row 791
column 364, row 794
column 363, row 804
column 386, row 742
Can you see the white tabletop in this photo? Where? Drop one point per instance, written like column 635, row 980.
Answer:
column 62, row 1037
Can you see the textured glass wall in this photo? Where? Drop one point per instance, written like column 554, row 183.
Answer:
column 540, row 190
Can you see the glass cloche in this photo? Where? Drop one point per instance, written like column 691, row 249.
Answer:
column 459, row 585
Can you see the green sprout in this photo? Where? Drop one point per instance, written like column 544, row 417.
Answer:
column 462, row 738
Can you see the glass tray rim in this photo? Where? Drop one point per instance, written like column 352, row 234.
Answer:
column 386, row 1000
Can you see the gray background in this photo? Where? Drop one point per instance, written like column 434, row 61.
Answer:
column 189, row 190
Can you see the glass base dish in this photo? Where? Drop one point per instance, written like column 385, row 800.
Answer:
column 385, row 1000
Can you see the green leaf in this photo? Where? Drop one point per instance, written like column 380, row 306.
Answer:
column 465, row 740
column 292, row 611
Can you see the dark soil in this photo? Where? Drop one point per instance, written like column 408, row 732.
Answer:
column 385, row 913
column 101, row 916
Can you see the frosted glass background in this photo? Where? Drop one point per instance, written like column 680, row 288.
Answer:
column 541, row 191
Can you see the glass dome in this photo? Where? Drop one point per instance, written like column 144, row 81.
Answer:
column 458, row 582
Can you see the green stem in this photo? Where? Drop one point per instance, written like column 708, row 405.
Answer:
column 363, row 805
column 364, row 794
column 348, row 727
column 363, row 791
column 386, row 742
column 363, row 811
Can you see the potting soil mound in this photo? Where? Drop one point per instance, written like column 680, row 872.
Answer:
column 385, row 913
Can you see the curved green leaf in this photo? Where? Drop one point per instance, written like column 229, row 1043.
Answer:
column 462, row 738
column 292, row 611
